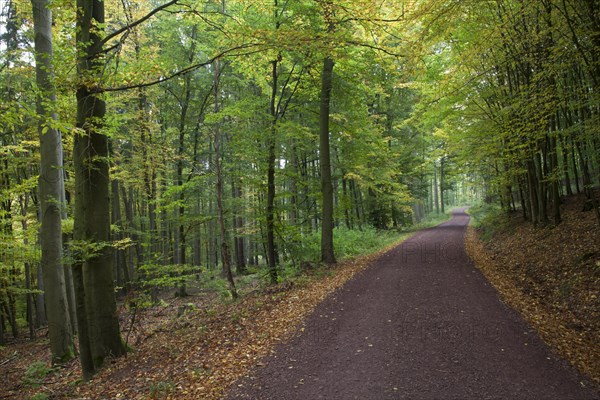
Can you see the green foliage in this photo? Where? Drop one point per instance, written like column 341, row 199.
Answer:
column 453, row 102
column 36, row 373
column 213, row 280
column 39, row 396
column 351, row 243
column 348, row 243
column 161, row 389
column 488, row 219
column 432, row 219
column 168, row 275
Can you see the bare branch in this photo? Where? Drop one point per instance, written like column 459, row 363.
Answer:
column 378, row 48
column 139, row 21
column 181, row 72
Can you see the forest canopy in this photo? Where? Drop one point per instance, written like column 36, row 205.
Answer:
column 150, row 145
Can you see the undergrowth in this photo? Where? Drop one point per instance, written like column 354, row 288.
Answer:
column 488, row 219
column 301, row 252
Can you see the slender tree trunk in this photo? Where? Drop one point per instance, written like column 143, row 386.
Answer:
column 2, row 340
column 442, row 206
column 565, row 161
column 541, row 190
column 128, row 208
column 436, row 198
column 271, row 251
column 50, row 187
column 523, row 202
column 121, row 268
column 40, row 300
column 532, row 189
column 24, row 202
column 347, row 202
column 238, row 224
column 29, row 301
column 555, row 179
column 574, row 161
column 219, row 189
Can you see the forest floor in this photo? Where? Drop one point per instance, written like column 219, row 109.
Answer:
column 422, row 322
column 192, row 347
column 551, row 275
column 199, row 346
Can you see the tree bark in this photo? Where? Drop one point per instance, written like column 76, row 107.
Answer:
column 271, row 250
column 442, row 201
column 219, row 188
column 238, row 224
column 50, row 187
column 2, row 340
column 327, row 249
column 436, row 198
column 92, row 188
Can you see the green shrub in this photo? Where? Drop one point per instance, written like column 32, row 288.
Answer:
column 39, row 396
column 488, row 219
column 36, row 373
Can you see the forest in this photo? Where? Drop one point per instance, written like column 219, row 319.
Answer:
column 158, row 148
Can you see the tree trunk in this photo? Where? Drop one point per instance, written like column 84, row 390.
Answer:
column 50, row 187
column 555, row 179
column 565, row 161
column 436, row 198
column 85, row 350
column 122, row 275
column 327, row 249
column 442, row 202
column 29, row 301
column 2, row 340
column 92, row 205
column 24, row 202
column 539, row 162
column 238, row 224
column 271, row 250
column 532, row 189
column 225, row 254
column 574, row 160
column 40, row 302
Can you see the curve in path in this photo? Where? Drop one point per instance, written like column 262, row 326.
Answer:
column 420, row 323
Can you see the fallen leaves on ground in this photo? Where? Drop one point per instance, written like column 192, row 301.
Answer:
column 551, row 275
column 194, row 354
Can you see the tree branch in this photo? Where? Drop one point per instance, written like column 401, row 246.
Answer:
column 374, row 47
column 181, row 72
column 138, row 22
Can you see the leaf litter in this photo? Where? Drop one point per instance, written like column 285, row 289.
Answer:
column 551, row 275
column 197, row 353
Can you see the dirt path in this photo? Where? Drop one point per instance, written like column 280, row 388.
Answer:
column 420, row 323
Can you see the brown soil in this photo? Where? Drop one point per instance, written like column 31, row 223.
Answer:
column 551, row 275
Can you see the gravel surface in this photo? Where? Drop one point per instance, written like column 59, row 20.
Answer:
column 420, row 323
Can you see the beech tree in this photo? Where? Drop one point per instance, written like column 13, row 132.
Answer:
column 99, row 333
column 51, row 189
column 213, row 142
column 532, row 84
